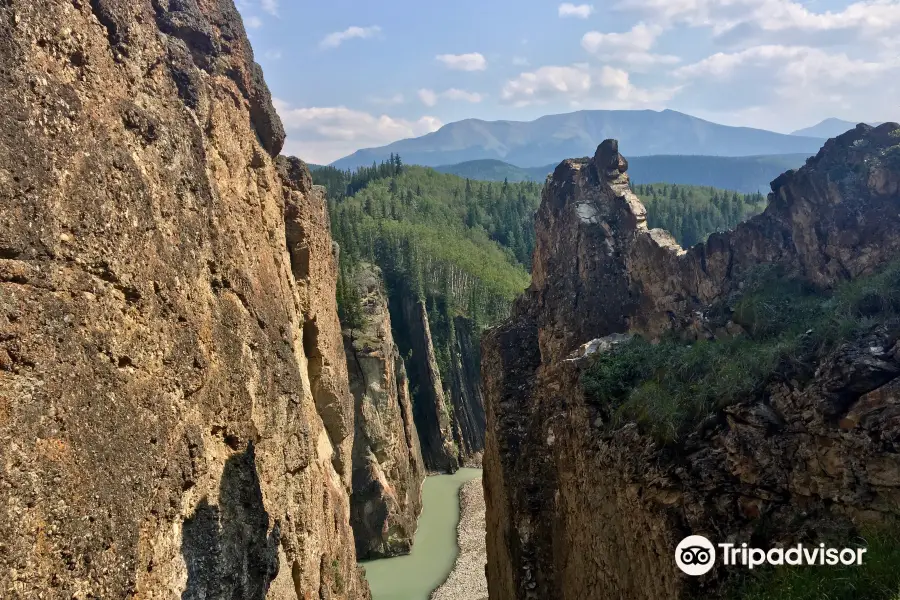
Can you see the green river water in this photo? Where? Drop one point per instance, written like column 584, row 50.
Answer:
column 415, row 576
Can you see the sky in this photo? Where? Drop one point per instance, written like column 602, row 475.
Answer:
column 351, row 74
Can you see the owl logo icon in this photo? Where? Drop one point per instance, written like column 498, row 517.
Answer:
column 695, row 555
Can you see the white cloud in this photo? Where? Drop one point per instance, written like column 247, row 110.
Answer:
column 333, row 40
column 630, row 49
column 520, row 61
column 428, row 97
column 868, row 17
column 796, row 65
column 546, row 83
column 580, row 11
column 324, row 134
column 273, row 54
column 464, row 62
column 270, row 6
column 777, row 86
column 253, row 22
column 582, row 85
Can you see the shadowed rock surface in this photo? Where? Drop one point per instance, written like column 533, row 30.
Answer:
column 465, row 393
column 175, row 419
column 576, row 510
column 388, row 470
column 431, row 408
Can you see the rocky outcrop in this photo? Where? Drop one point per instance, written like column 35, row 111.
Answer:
column 578, row 510
column 388, row 470
column 174, row 415
column 431, row 409
column 465, row 392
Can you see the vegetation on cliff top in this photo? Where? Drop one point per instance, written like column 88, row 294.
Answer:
column 876, row 579
column 788, row 327
column 691, row 213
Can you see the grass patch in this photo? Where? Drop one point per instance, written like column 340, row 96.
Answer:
column 789, row 326
column 878, row 578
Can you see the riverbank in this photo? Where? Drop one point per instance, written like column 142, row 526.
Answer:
column 468, row 581
column 415, row 575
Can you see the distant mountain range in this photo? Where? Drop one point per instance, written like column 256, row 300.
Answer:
column 551, row 139
column 747, row 174
column 829, row 128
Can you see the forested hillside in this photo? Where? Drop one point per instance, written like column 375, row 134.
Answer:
column 691, row 213
column 470, row 242
column 747, row 174
column 438, row 235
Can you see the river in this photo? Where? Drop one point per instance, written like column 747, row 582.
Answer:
column 416, row 575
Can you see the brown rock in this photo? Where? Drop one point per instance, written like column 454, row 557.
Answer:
column 574, row 511
column 163, row 427
column 388, row 470
column 431, row 408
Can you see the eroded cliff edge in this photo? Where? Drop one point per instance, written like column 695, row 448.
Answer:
column 579, row 510
column 388, row 469
column 174, row 414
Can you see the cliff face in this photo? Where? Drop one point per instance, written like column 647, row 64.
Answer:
column 174, row 414
column 431, row 409
column 577, row 510
column 388, row 470
column 465, row 393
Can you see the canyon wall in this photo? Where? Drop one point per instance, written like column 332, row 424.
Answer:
column 465, row 392
column 431, row 409
column 175, row 419
column 388, row 469
column 579, row 509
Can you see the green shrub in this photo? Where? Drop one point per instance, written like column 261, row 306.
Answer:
column 670, row 386
column 878, row 578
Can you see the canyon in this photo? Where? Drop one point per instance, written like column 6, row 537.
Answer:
column 583, row 505
column 181, row 413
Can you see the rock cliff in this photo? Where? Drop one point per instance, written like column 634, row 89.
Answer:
column 577, row 508
column 431, row 409
column 174, row 414
column 388, row 470
column 465, row 392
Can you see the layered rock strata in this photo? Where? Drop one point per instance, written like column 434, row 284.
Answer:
column 465, row 393
column 431, row 408
column 174, row 414
column 388, row 469
column 578, row 510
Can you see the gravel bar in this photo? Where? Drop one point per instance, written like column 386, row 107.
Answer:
column 468, row 581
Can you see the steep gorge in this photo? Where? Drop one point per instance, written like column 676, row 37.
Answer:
column 388, row 469
column 582, row 506
column 175, row 418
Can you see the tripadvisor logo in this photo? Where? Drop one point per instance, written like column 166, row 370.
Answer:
column 696, row 555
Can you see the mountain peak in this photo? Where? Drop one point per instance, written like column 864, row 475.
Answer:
column 829, row 128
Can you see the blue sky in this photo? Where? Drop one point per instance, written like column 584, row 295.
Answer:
column 349, row 74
